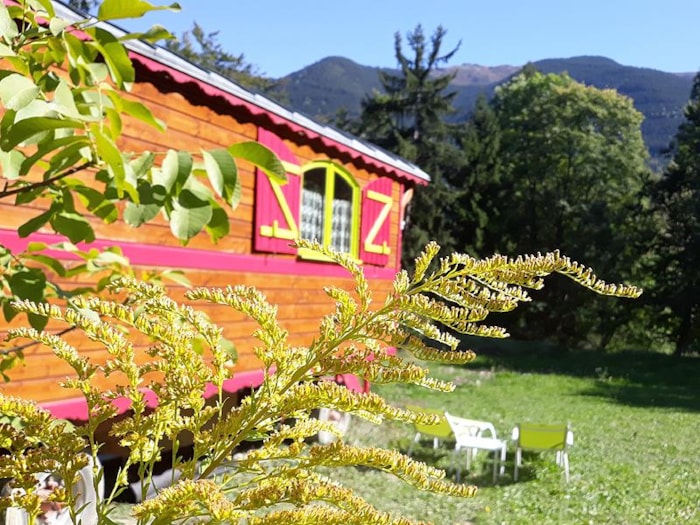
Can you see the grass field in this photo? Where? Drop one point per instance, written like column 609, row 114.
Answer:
column 636, row 419
column 636, row 457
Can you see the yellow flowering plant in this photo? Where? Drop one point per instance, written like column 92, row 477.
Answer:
column 277, row 482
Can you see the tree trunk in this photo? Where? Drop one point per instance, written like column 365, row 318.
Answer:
column 684, row 334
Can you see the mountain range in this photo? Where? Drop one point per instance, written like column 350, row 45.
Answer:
column 333, row 83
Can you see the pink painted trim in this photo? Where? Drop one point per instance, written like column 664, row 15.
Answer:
column 76, row 408
column 214, row 92
column 189, row 258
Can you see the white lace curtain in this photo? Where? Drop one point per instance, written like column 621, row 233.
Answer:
column 342, row 221
column 312, row 215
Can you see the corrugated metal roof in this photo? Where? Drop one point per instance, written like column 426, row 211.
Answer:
column 177, row 63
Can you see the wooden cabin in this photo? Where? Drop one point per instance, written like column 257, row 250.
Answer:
column 343, row 191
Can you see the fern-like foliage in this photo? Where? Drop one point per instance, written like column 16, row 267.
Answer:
column 276, row 482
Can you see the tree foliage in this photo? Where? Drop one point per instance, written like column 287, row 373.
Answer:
column 409, row 118
column 572, row 172
column 185, row 356
column 676, row 199
column 62, row 89
column 205, row 50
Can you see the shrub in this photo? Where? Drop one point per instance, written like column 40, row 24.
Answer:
column 276, row 482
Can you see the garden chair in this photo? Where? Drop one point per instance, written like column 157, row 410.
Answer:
column 438, row 432
column 543, row 438
column 470, row 435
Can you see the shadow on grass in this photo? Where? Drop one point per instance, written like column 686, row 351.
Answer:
column 480, row 473
column 642, row 379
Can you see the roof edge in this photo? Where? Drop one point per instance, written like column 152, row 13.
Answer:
column 159, row 59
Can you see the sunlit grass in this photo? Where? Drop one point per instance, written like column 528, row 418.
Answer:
column 635, row 460
column 635, row 417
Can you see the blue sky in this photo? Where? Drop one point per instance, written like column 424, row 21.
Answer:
column 283, row 36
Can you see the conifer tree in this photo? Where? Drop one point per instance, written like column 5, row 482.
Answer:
column 205, row 50
column 677, row 199
column 409, row 118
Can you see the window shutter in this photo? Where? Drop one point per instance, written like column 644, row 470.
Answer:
column 277, row 207
column 377, row 202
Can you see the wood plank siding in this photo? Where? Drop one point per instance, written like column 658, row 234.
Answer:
column 198, row 117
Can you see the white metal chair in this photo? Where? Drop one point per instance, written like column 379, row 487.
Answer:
column 438, row 432
column 469, row 436
column 543, row 438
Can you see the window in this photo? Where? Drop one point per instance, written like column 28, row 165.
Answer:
column 330, row 208
column 322, row 201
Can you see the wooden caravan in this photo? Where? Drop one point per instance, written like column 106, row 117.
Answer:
column 342, row 191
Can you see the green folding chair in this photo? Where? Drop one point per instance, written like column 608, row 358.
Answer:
column 438, row 432
column 543, row 438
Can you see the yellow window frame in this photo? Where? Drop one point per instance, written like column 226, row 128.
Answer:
column 331, row 170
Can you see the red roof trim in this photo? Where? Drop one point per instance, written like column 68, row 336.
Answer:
column 290, row 127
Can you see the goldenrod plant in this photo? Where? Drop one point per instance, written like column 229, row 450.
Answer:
column 277, row 481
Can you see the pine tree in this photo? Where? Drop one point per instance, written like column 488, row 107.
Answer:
column 204, row 50
column 677, row 199
column 409, row 119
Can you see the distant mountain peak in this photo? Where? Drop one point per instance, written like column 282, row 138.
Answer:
column 477, row 75
column 322, row 88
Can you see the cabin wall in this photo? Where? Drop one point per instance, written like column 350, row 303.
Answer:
column 295, row 285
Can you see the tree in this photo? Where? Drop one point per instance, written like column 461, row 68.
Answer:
column 84, row 5
column 573, row 163
column 205, row 50
column 477, row 180
column 676, row 199
column 408, row 118
column 64, row 106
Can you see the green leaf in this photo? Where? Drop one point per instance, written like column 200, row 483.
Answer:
column 116, row 9
column 154, row 34
column 142, row 163
column 49, row 262
column 222, row 172
column 262, row 157
column 64, row 102
column 51, row 145
column 151, row 200
column 38, row 322
column 8, row 27
column 96, row 202
column 11, row 164
column 176, row 276
column 115, row 56
column 7, row 310
column 74, row 226
column 57, row 25
column 28, row 284
column 17, row 91
column 35, row 247
column 218, row 226
column 27, row 195
column 67, row 157
column 29, row 127
column 110, row 257
column 6, row 51
column 189, row 216
column 142, row 113
column 108, row 151
column 42, row 5
column 35, row 223
column 176, row 168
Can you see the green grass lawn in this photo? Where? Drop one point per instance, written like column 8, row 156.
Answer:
column 635, row 460
column 636, row 457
